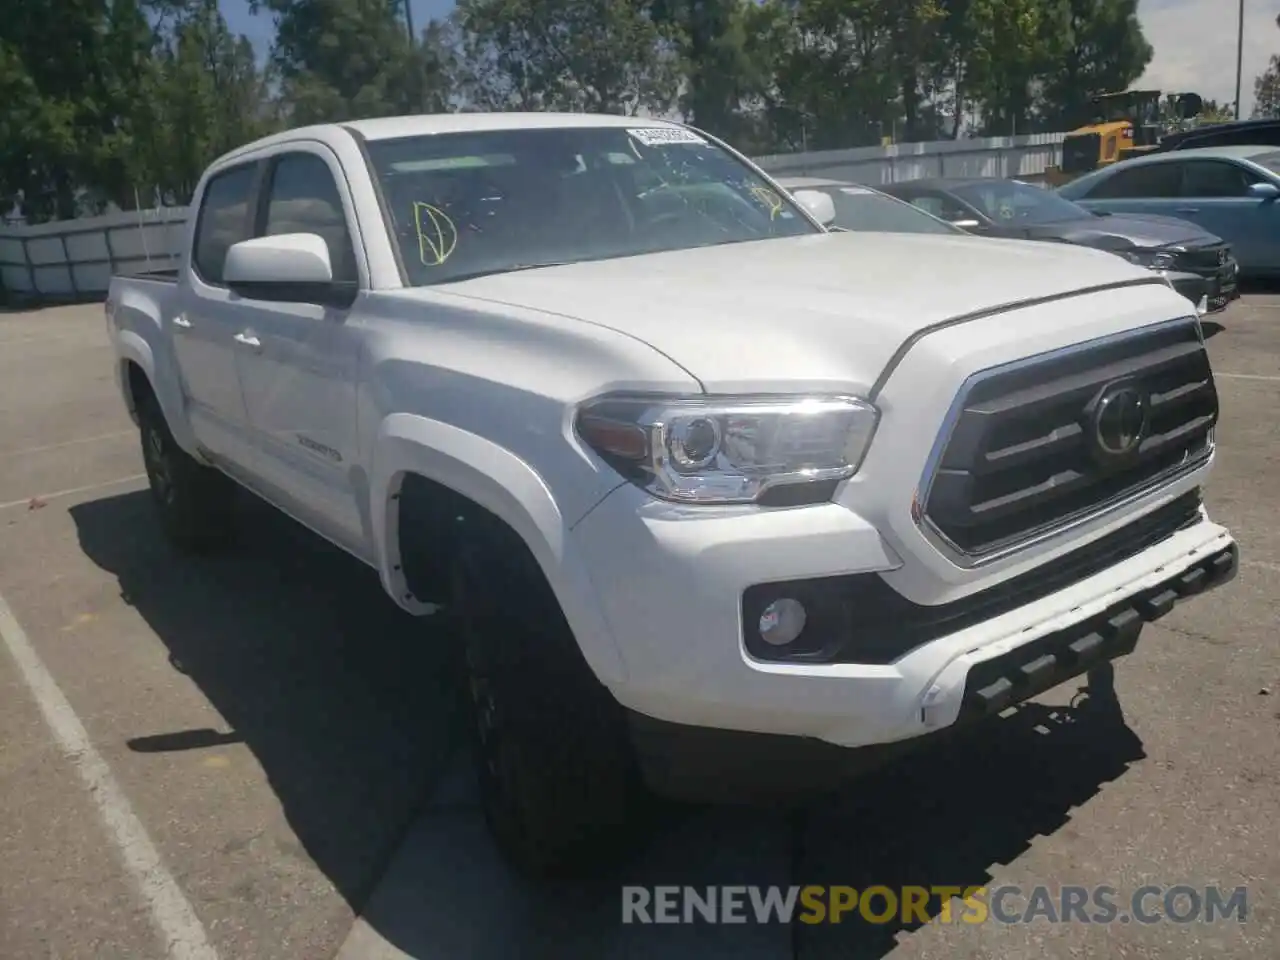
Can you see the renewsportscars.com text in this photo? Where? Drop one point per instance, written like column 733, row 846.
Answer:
column 908, row 905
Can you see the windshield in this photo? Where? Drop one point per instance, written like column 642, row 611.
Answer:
column 467, row 204
column 860, row 209
column 1007, row 201
column 1268, row 161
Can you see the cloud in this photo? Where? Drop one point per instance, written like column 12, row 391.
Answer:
column 1195, row 46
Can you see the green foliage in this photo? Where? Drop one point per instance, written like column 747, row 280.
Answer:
column 610, row 56
column 106, row 101
column 1266, row 91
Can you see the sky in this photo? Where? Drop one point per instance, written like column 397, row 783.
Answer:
column 1194, row 41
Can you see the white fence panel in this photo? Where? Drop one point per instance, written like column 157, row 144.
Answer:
column 75, row 259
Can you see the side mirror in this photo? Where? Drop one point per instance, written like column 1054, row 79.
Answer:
column 819, row 204
column 289, row 267
column 1264, row 190
column 966, row 224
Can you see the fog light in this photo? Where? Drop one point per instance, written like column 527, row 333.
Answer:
column 782, row 621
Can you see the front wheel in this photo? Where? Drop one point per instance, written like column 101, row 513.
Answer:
column 194, row 501
column 558, row 779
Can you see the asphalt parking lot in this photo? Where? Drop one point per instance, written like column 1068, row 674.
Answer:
column 257, row 756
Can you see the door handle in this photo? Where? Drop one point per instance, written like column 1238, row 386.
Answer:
column 182, row 322
column 248, row 339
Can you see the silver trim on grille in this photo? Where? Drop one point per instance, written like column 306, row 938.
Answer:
column 967, row 560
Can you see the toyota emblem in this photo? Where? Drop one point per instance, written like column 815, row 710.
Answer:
column 1120, row 421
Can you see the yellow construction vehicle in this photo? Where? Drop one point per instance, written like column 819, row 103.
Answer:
column 1124, row 124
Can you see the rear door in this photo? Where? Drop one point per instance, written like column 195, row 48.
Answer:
column 1215, row 195
column 1150, row 188
column 204, row 322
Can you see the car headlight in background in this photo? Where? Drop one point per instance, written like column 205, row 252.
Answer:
column 731, row 450
column 1151, row 259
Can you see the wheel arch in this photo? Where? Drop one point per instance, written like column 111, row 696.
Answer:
column 415, row 456
column 137, row 374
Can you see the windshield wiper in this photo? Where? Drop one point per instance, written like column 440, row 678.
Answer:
column 514, row 268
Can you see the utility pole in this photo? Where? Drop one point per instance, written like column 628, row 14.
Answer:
column 1239, row 55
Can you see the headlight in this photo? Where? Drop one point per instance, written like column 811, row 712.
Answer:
column 1151, row 259
column 731, row 450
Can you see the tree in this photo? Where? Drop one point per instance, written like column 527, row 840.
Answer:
column 609, row 56
column 344, row 59
column 833, row 83
column 1106, row 52
column 205, row 96
column 1266, row 91
column 723, row 75
column 70, row 75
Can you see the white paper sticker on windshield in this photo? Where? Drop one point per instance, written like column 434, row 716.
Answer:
column 663, row 136
column 855, row 191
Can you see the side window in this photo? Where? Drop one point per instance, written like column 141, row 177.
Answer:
column 942, row 207
column 223, row 220
column 1148, row 182
column 1214, row 178
column 303, row 198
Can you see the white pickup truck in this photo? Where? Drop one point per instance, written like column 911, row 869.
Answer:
column 721, row 503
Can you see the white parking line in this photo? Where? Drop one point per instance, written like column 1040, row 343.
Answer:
column 23, row 451
column 171, row 912
column 1243, row 376
column 71, row 491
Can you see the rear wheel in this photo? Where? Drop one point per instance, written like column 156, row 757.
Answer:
column 194, row 501
column 559, row 783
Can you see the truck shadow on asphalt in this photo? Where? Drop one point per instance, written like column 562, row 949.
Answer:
column 353, row 710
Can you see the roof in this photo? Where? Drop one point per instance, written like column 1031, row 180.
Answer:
column 1214, row 129
column 426, row 124
column 383, row 128
column 1237, row 152
column 949, row 183
column 801, row 183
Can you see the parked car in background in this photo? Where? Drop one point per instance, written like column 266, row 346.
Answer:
column 1248, row 133
column 1199, row 264
column 1229, row 191
column 860, row 208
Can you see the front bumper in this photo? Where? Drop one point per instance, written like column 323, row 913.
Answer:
column 1218, row 284
column 673, row 600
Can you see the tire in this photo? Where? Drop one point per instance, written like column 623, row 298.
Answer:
column 559, row 784
column 194, row 501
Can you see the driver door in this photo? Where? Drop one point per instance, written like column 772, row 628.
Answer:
column 298, row 362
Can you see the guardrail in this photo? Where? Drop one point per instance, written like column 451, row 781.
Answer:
column 75, row 259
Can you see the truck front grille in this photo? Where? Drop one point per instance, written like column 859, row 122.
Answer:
column 1040, row 444
column 1208, row 260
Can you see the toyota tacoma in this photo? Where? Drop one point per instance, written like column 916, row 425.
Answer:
column 718, row 502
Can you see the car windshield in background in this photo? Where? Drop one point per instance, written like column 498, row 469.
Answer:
column 860, row 209
column 1268, row 161
column 1007, row 201
column 468, row 204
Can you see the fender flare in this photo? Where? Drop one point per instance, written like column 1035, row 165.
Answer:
column 132, row 347
column 511, row 490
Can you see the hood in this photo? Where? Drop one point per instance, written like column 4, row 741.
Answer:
column 1125, row 232
column 827, row 309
